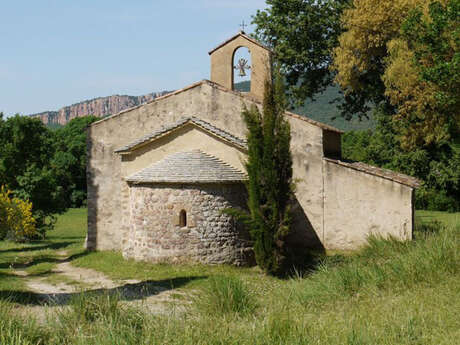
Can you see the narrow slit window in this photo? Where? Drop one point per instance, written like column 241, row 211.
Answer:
column 183, row 218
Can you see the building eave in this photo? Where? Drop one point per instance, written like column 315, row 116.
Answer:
column 240, row 34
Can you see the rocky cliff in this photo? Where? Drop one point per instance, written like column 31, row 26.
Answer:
column 100, row 107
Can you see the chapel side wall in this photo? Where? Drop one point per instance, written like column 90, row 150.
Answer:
column 108, row 195
column 358, row 204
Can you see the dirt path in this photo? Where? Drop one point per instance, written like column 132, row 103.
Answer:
column 66, row 281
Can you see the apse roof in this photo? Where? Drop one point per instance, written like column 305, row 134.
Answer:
column 193, row 167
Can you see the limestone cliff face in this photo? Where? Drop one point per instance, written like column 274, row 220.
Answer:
column 100, row 107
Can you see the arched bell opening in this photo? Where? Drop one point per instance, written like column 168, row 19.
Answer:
column 242, row 70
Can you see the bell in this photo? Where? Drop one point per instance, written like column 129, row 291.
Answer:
column 242, row 73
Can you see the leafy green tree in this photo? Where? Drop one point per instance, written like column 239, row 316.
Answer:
column 422, row 77
column 437, row 166
column 69, row 160
column 269, row 169
column 302, row 34
column 26, row 147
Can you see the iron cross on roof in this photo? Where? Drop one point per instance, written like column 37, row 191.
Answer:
column 243, row 25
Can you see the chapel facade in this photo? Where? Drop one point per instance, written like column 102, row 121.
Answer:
column 160, row 176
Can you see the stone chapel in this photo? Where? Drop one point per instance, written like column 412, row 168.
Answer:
column 160, row 174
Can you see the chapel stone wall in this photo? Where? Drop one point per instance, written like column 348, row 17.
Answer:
column 359, row 204
column 210, row 236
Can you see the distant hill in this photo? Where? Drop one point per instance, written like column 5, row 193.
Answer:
column 101, row 106
column 322, row 110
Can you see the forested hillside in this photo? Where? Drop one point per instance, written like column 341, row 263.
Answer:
column 324, row 109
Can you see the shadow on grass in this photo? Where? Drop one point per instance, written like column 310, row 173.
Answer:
column 53, row 246
column 127, row 292
column 40, row 260
column 75, row 238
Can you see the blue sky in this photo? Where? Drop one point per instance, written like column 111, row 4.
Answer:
column 55, row 53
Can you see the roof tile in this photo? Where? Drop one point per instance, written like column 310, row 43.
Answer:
column 188, row 167
column 383, row 173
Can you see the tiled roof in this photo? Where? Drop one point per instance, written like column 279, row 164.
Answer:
column 189, row 167
column 200, row 123
column 383, row 173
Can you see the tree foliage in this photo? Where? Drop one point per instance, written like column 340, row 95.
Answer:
column 43, row 166
column 403, row 54
column 302, row 34
column 26, row 147
column 359, row 58
column 438, row 167
column 422, row 77
column 269, row 169
column 16, row 220
column 69, row 160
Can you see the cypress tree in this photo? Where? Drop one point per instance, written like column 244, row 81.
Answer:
column 269, row 169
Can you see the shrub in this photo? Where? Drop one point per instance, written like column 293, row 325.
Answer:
column 16, row 220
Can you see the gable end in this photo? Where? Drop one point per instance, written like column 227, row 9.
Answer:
column 207, row 127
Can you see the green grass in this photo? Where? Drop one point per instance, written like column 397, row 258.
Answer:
column 388, row 293
column 225, row 295
column 39, row 258
column 450, row 219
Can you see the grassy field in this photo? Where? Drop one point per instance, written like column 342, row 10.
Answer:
column 388, row 293
column 38, row 258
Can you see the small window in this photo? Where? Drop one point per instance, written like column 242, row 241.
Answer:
column 183, row 218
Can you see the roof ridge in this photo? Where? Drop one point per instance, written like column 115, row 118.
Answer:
column 240, row 34
column 163, row 130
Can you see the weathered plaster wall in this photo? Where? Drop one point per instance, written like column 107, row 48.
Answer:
column 108, row 220
column 222, row 65
column 358, row 204
column 210, row 236
column 186, row 138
